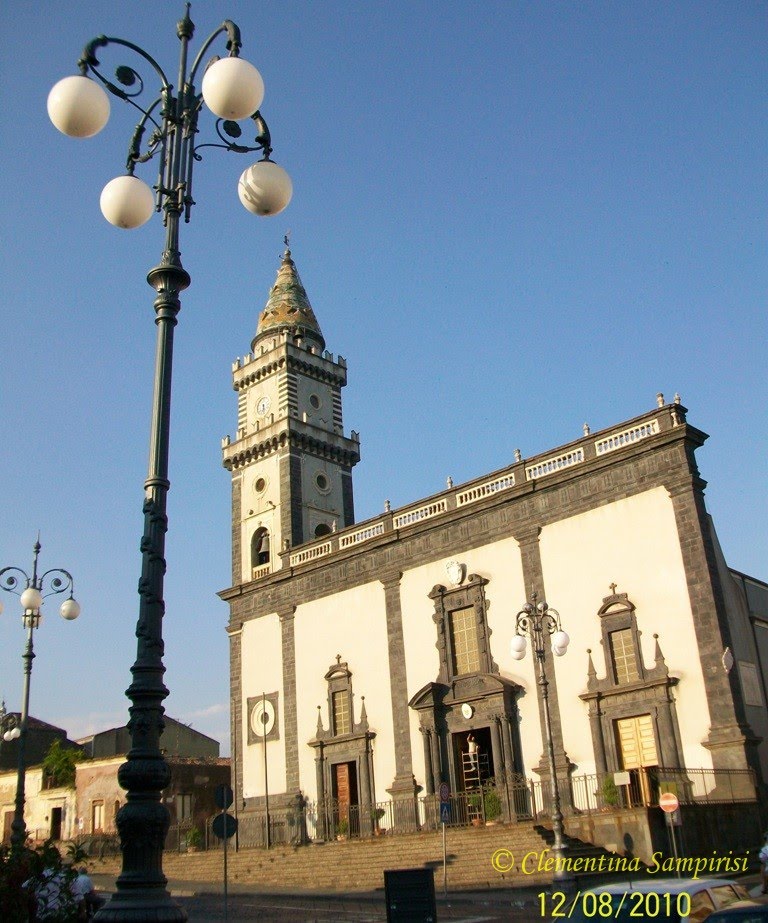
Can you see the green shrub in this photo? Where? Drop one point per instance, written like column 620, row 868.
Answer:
column 492, row 805
column 610, row 792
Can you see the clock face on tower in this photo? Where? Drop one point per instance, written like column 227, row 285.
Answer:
column 262, row 406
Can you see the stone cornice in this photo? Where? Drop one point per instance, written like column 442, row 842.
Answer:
column 289, row 432
column 514, row 506
column 286, row 354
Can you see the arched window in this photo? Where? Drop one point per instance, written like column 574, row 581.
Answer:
column 260, row 547
column 322, row 529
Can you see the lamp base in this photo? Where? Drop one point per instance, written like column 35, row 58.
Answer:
column 145, row 906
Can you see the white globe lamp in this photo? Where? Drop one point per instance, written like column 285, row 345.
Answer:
column 70, row 609
column 265, row 188
column 78, row 107
column 127, row 202
column 232, row 88
column 31, row 599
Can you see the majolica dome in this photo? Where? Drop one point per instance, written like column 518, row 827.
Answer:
column 288, row 307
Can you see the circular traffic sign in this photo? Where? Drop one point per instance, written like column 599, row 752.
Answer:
column 668, row 802
column 224, row 826
column 223, row 796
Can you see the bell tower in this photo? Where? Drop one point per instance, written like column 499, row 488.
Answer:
column 290, row 462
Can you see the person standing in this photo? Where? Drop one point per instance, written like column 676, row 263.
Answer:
column 84, row 893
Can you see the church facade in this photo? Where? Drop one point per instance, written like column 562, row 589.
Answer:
column 364, row 656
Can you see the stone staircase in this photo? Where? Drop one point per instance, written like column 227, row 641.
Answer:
column 358, row 865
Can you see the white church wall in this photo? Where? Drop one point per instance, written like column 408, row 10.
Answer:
column 633, row 543
column 353, row 624
column 262, row 672
column 499, row 562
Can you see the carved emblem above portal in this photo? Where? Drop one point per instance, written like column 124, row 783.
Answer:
column 456, row 572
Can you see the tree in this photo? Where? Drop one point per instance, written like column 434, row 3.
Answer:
column 59, row 765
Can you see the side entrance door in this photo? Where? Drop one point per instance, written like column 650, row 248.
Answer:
column 345, row 794
column 637, row 748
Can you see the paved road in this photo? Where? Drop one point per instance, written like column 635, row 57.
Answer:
column 204, row 902
column 281, row 909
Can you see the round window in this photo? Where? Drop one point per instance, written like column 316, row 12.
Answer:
column 322, row 482
column 314, row 401
column 260, row 485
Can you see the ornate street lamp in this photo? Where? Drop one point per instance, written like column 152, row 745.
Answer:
column 36, row 588
column 78, row 106
column 9, row 725
column 537, row 621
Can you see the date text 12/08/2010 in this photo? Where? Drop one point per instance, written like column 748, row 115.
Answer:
column 605, row 906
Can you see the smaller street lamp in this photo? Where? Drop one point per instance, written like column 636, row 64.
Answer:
column 9, row 725
column 36, row 588
column 537, row 620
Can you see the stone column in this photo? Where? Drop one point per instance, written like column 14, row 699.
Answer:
column 322, row 830
column 426, row 738
column 437, row 773
column 498, row 755
column 509, row 766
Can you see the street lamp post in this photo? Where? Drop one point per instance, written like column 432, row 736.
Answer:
column 537, row 621
column 36, row 588
column 78, row 106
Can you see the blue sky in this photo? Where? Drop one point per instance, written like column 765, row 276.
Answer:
column 510, row 218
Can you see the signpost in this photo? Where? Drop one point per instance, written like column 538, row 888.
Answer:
column 224, row 826
column 670, row 805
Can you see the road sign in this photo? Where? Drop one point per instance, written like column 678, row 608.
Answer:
column 224, row 826
column 675, row 819
column 445, row 792
column 445, row 813
column 223, row 796
column 668, row 802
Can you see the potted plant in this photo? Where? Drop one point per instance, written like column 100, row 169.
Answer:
column 475, row 806
column 376, row 815
column 194, row 839
column 610, row 792
column 492, row 805
column 342, row 828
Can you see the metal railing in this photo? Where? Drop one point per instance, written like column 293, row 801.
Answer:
column 599, row 792
column 509, row 799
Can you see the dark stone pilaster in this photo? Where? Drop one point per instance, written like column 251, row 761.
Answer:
column 731, row 740
column 237, row 512
column 291, row 514
column 533, row 576
column 290, row 716
column 236, row 716
column 404, row 788
column 347, row 496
